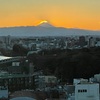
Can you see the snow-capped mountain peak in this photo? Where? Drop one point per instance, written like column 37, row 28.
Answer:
column 45, row 24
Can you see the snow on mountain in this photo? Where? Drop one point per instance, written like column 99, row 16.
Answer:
column 45, row 24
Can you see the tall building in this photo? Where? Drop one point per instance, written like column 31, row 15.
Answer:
column 82, row 41
column 91, row 42
column 31, row 68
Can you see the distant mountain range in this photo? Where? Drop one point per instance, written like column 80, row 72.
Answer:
column 44, row 29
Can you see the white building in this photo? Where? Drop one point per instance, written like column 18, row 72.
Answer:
column 97, row 77
column 87, row 91
column 3, row 92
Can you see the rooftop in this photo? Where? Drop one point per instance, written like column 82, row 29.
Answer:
column 14, row 75
column 4, row 58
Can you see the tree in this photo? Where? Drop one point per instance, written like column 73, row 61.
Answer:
column 19, row 50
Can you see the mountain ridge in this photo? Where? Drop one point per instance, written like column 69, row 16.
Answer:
column 44, row 31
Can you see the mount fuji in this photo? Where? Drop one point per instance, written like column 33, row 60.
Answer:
column 45, row 24
column 45, row 29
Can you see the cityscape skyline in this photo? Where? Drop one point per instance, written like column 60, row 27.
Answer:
column 67, row 13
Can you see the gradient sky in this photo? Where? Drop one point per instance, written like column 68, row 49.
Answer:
column 84, row 14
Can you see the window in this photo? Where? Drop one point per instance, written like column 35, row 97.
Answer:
column 78, row 90
column 82, row 90
column 85, row 90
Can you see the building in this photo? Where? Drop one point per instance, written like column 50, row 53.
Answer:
column 43, row 81
column 91, row 42
column 82, row 41
column 80, row 80
column 3, row 93
column 84, row 90
column 31, row 69
column 17, row 81
column 15, row 68
column 87, row 91
column 97, row 43
column 97, row 77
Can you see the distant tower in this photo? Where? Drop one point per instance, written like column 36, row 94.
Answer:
column 8, row 39
column 91, row 42
column 82, row 41
column 5, row 41
column 31, row 68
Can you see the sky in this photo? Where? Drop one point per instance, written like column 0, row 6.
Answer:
column 83, row 14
